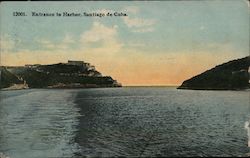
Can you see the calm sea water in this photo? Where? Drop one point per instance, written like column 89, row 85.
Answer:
column 132, row 122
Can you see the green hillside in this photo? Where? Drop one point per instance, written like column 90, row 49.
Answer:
column 69, row 76
column 229, row 76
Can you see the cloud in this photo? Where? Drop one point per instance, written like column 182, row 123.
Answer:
column 136, row 24
column 53, row 52
column 7, row 44
column 132, row 9
column 99, row 32
column 63, row 45
column 142, row 30
column 130, row 66
column 46, row 44
column 135, row 44
column 106, row 37
column 105, row 11
column 68, row 39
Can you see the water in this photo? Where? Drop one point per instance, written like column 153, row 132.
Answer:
column 128, row 122
column 38, row 123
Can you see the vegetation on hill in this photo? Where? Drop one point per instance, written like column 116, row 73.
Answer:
column 66, row 76
column 228, row 76
column 7, row 78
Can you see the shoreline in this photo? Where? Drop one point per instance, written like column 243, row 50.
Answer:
column 13, row 89
column 213, row 89
column 65, row 88
column 16, row 87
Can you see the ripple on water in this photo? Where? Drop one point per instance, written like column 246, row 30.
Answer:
column 39, row 124
column 162, row 122
column 123, row 122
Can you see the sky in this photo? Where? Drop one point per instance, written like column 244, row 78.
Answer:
column 157, row 43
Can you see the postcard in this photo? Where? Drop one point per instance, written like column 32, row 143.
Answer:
column 124, row 79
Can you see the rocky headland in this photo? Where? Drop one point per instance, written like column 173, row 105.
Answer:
column 233, row 75
column 73, row 74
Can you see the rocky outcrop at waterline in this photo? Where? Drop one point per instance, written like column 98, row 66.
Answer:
column 7, row 79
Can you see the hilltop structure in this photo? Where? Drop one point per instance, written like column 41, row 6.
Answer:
column 73, row 74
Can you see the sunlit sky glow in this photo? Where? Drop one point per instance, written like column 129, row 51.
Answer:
column 158, row 43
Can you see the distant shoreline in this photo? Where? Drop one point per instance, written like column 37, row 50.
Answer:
column 213, row 89
column 162, row 86
column 125, row 87
column 5, row 89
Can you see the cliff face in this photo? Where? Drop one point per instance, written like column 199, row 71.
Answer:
column 232, row 75
column 8, row 79
column 62, row 76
